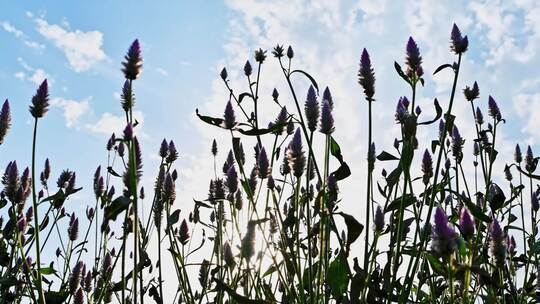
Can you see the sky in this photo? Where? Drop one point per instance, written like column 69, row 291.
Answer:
column 78, row 47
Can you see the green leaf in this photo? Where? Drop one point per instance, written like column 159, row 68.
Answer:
column 173, row 218
column 442, row 67
column 337, row 276
column 408, row 199
column 309, row 77
column 399, row 70
column 354, row 228
column 116, row 207
column 393, row 177
column 438, row 115
column 243, row 95
column 55, row 297
column 385, row 156
column 436, row 265
column 476, row 211
column 343, row 171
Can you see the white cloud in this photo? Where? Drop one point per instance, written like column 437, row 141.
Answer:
column 8, row 27
column 109, row 123
column 73, row 109
column 82, row 49
column 162, row 71
column 34, row 75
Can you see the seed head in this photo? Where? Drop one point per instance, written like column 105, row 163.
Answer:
column 327, row 119
column 132, row 64
column 263, row 164
column 413, row 58
column 471, row 93
column 290, row 52
column 518, row 157
column 366, row 76
column 248, row 69
column 459, row 44
column 427, row 167
column 40, row 101
column 466, row 224
column 312, row 109
column 232, row 180
column 260, row 55
column 378, row 221
column 183, row 234
column 229, row 117
column 295, row 155
column 214, row 149
column 5, row 120
column 223, row 74
column 494, row 109
column 443, row 236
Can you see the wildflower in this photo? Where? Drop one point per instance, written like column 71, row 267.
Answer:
column 418, row 110
column 172, row 153
column 248, row 69
column 327, row 120
column 442, row 128
column 183, row 235
column 132, row 65
column 495, row 197
column 494, row 109
column 427, row 167
column 21, row 224
column 75, row 277
column 295, row 155
column 328, row 97
column 401, row 111
column 29, row 214
column 128, row 132
column 459, row 44
column 270, row 183
column 228, row 256
column 238, row 201
column 443, row 236
column 466, row 224
column 518, row 157
column 507, row 173
column 366, row 76
column 262, row 164
column 413, row 58
column 476, row 149
column 457, row 144
column 214, row 149
column 40, row 101
column 5, row 120
column 88, row 281
column 331, row 183
column 164, row 148
column 498, row 246
column 247, row 248
column 260, row 55
column 312, row 109
column 232, row 180
column 290, row 52
column 510, row 244
column 79, row 297
column 229, row 117
column 371, row 157
column 219, row 190
column 73, row 229
column 378, row 221
column 278, row 51
column 127, row 99
column 530, row 160
column 471, row 93
column 252, row 182
column 223, row 74
column 169, row 191
column 110, row 142
column 99, row 183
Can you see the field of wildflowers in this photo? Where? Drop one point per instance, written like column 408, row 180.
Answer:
column 271, row 219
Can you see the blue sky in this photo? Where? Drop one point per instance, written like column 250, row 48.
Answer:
column 79, row 46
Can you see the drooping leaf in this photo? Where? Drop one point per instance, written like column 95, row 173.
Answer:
column 313, row 82
column 385, row 156
column 354, row 228
column 400, row 72
column 442, row 67
column 112, row 210
column 55, row 297
column 337, row 276
column 407, row 200
column 438, row 115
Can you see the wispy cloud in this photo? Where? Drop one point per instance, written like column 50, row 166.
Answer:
column 109, row 123
column 34, row 75
column 82, row 49
column 8, row 27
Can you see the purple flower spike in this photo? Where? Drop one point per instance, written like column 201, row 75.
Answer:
column 427, row 167
column 466, row 224
column 132, row 65
column 413, row 59
column 472, row 93
column 327, row 120
column 184, row 233
column 290, row 52
column 78, row 298
column 530, row 162
column 224, row 74
column 128, row 132
column 331, row 183
column 40, row 101
column 459, row 44
column 443, row 241
column 418, row 110
column 229, row 117
column 312, row 109
column 73, row 229
column 248, row 69
column 511, row 244
column 21, row 224
column 366, row 76
column 457, row 143
column 401, row 111
column 328, row 96
column 5, row 120
column 378, row 221
column 282, row 117
column 479, row 116
column 295, row 155
column 110, row 142
column 442, row 128
column 405, row 101
column 164, row 149
column 494, row 110
column 232, row 179
column 518, row 156
column 263, row 164
column 498, row 246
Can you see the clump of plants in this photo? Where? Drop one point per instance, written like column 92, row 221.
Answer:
column 271, row 227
